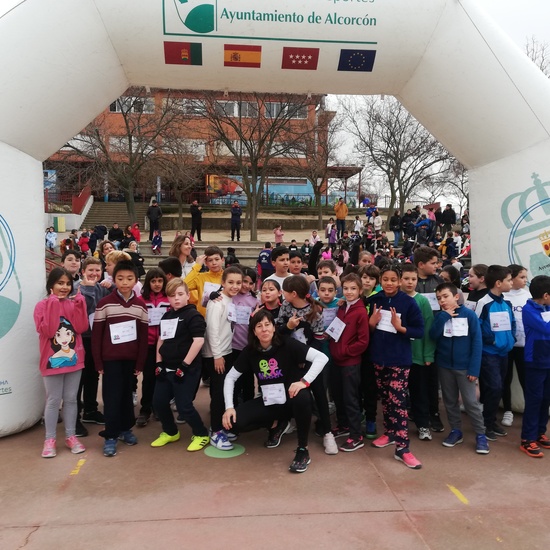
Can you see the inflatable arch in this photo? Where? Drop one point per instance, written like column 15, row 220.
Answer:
column 63, row 61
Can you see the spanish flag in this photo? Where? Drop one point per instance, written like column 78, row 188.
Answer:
column 242, row 56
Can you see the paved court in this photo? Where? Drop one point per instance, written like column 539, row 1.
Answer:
column 147, row 498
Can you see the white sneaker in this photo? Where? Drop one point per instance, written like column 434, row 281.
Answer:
column 134, row 398
column 220, row 441
column 424, row 434
column 507, row 418
column 292, row 426
column 330, row 444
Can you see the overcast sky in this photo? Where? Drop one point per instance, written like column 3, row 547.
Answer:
column 521, row 18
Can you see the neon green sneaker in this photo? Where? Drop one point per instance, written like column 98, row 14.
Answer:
column 164, row 438
column 198, row 442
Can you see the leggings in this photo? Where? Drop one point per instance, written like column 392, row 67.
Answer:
column 61, row 387
column 253, row 415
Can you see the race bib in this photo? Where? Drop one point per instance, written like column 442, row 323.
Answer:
column 154, row 315
column 500, row 321
column 123, row 332
column 456, row 327
column 385, row 321
column 431, row 297
column 336, row 328
column 168, row 328
column 274, row 394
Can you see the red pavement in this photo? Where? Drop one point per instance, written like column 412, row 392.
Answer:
column 147, row 498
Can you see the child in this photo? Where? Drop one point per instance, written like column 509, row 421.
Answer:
column 93, row 292
column 279, row 260
column 518, row 297
column 111, row 261
column 270, row 295
column 327, row 268
column 394, row 320
column 178, row 368
column 314, row 237
column 365, row 258
column 426, row 261
column 327, row 253
column 476, row 284
column 279, row 234
column 231, row 257
column 357, row 224
column 305, row 250
column 59, row 321
column 457, row 333
column 300, row 318
column 171, row 267
column 346, row 352
column 333, row 236
column 497, row 329
column 423, row 353
column 370, row 277
column 536, row 313
column 295, row 263
column 263, row 263
column 293, row 247
column 119, row 345
column 70, row 260
column 156, row 243
column 157, row 303
column 217, row 351
column 201, row 284
column 51, row 239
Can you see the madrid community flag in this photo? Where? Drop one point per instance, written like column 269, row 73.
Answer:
column 182, row 53
column 305, row 59
column 356, row 60
column 242, row 56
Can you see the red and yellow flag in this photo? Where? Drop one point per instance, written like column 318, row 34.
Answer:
column 242, row 56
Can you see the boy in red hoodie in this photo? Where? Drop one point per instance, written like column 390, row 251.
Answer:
column 346, row 349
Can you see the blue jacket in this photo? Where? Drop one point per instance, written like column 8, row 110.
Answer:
column 537, row 335
column 495, row 342
column 394, row 349
column 236, row 212
column 458, row 352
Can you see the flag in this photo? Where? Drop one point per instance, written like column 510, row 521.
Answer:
column 182, row 53
column 356, row 60
column 300, row 58
column 242, row 56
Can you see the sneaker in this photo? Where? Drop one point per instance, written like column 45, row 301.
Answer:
column 424, row 434
column 543, row 441
column 499, row 431
column 340, row 432
column 454, row 438
column 370, row 429
column 382, row 441
column 230, row 435
column 198, row 442
column 94, row 417
column 435, row 423
column 276, row 434
column 173, row 404
column 142, row 420
column 507, row 419
column 329, row 443
column 490, row 435
column 482, row 447
column 163, row 439
column 220, row 441
column 80, row 429
column 180, row 420
column 318, row 429
column 128, row 437
column 352, row 444
column 75, row 445
column 134, row 398
column 405, row 456
column 300, row 462
column 291, row 426
column 109, row 447
column 48, row 451
column 529, row 447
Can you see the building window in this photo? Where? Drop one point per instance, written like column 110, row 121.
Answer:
column 235, row 109
column 290, row 110
column 130, row 104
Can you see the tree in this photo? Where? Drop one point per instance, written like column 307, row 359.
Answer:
column 395, row 146
column 539, row 53
column 118, row 152
column 252, row 133
column 317, row 149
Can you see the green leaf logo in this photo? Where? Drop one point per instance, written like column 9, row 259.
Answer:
column 201, row 19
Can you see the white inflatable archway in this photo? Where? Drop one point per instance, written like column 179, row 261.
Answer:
column 63, row 61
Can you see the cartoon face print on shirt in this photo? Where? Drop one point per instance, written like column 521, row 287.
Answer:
column 63, row 344
column 269, row 370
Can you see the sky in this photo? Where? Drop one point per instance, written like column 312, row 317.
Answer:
column 521, row 18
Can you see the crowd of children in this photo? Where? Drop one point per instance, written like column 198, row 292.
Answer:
column 301, row 336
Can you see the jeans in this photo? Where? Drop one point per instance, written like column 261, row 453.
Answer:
column 340, row 228
column 184, row 392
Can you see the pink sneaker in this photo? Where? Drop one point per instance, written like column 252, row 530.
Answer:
column 382, row 441
column 75, row 445
column 405, row 456
column 49, row 449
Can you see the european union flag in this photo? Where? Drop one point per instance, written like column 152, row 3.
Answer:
column 356, row 60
